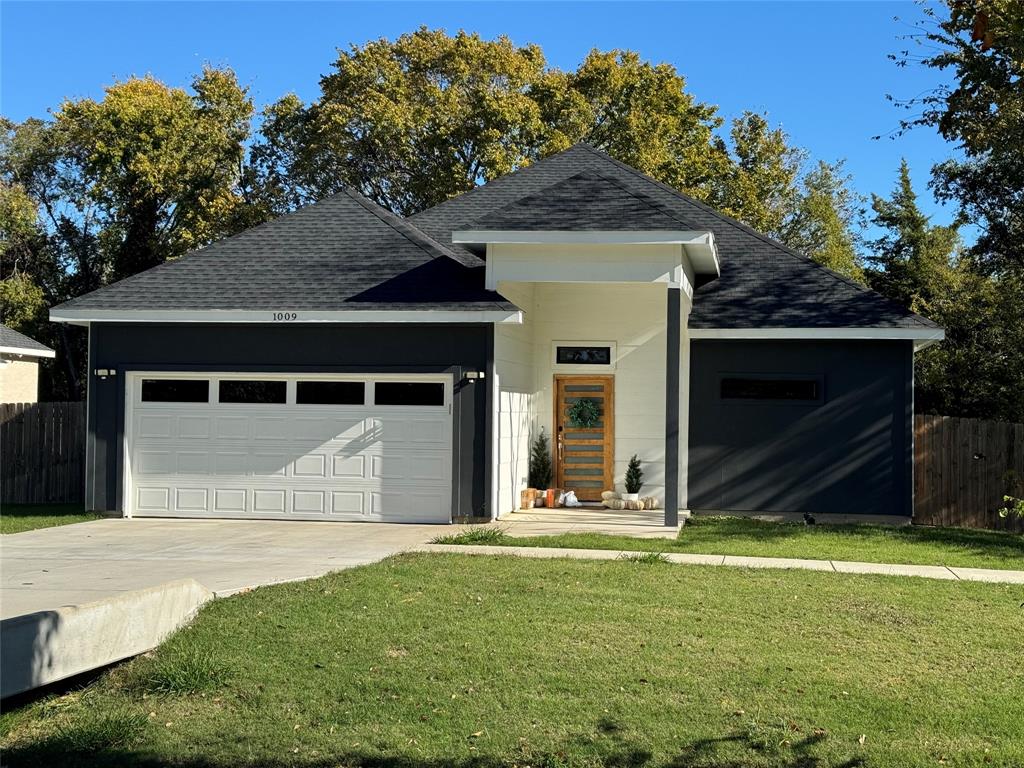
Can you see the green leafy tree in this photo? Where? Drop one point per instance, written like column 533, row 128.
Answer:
column 760, row 185
column 910, row 262
column 634, row 479
column 980, row 43
column 826, row 220
column 111, row 187
column 977, row 371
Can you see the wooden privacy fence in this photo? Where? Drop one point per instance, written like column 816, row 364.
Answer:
column 42, row 453
column 962, row 470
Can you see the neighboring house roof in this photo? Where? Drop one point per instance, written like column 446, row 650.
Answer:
column 343, row 252
column 763, row 284
column 347, row 253
column 14, row 343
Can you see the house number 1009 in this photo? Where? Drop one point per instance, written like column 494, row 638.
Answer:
column 286, row 315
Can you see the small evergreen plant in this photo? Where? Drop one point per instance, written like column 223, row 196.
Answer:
column 634, row 476
column 540, row 462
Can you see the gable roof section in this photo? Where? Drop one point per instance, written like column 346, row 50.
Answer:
column 14, row 343
column 342, row 253
column 763, row 284
column 587, row 200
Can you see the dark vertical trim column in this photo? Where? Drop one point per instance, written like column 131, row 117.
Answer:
column 673, row 330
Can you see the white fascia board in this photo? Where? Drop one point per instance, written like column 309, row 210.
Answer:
column 704, row 255
column 283, row 317
column 27, row 352
column 921, row 337
column 580, row 237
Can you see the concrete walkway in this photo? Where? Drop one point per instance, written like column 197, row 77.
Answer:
column 833, row 566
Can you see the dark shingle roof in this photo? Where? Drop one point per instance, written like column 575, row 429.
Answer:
column 763, row 283
column 343, row 252
column 584, row 201
column 12, row 338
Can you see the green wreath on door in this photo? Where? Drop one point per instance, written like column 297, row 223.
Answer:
column 585, row 413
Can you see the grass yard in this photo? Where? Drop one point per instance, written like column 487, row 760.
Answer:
column 741, row 536
column 477, row 662
column 16, row 518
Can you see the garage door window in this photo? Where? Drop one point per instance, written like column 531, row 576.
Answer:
column 253, row 391
column 330, row 393
column 408, row 393
column 175, row 391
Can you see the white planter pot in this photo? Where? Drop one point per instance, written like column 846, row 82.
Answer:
column 631, row 497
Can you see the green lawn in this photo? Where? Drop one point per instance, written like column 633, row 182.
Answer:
column 477, row 662
column 15, row 518
column 740, row 536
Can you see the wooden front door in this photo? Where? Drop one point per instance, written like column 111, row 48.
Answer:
column 584, row 456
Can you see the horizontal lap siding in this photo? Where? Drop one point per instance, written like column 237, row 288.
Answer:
column 292, row 348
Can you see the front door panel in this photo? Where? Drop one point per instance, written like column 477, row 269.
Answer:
column 584, row 455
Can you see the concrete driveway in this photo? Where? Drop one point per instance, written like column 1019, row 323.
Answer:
column 86, row 562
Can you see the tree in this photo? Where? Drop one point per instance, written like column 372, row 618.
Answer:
column 409, row 123
column 415, row 121
column 910, row 262
column 825, row 221
column 108, row 188
column 981, row 43
column 977, row 371
column 760, row 185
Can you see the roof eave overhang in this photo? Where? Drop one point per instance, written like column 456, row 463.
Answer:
column 699, row 244
column 284, row 316
column 27, row 352
column 922, row 337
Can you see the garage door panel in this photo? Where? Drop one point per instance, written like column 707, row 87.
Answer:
column 269, row 501
column 344, row 467
column 193, row 427
column 273, row 460
column 191, row 499
column 230, row 500
column 233, row 428
column 271, row 429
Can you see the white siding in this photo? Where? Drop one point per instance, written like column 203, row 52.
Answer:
column 632, row 316
column 513, row 365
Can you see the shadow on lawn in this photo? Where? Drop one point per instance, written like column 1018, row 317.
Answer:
column 703, row 753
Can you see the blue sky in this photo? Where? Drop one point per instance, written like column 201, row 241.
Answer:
column 817, row 68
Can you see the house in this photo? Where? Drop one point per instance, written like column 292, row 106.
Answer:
column 19, row 366
column 342, row 363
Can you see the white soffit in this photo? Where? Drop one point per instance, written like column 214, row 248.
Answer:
column 699, row 245
column 283, row 317
column 922, row 337
column 27, row 352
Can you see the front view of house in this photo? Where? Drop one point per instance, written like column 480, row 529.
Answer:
column 342, row 363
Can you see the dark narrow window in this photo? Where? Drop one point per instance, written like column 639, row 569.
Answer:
column 251, row 391
column 175, row 391
column 408, row 393
column 330, row 392
column 770, row 388
column 584, row 355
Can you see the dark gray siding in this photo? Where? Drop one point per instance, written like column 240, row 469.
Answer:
column 332, row 347
column 851, row 454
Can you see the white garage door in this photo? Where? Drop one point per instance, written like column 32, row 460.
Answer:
column 308, row 447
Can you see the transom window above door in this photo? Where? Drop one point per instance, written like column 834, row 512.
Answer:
column 589, row 355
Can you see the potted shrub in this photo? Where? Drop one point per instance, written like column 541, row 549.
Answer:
column 540, row 466
column 634, row 480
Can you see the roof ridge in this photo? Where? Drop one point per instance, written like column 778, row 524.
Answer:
column 645, row 199
column 751, row 231
column 477, row 187
column 405, row 228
